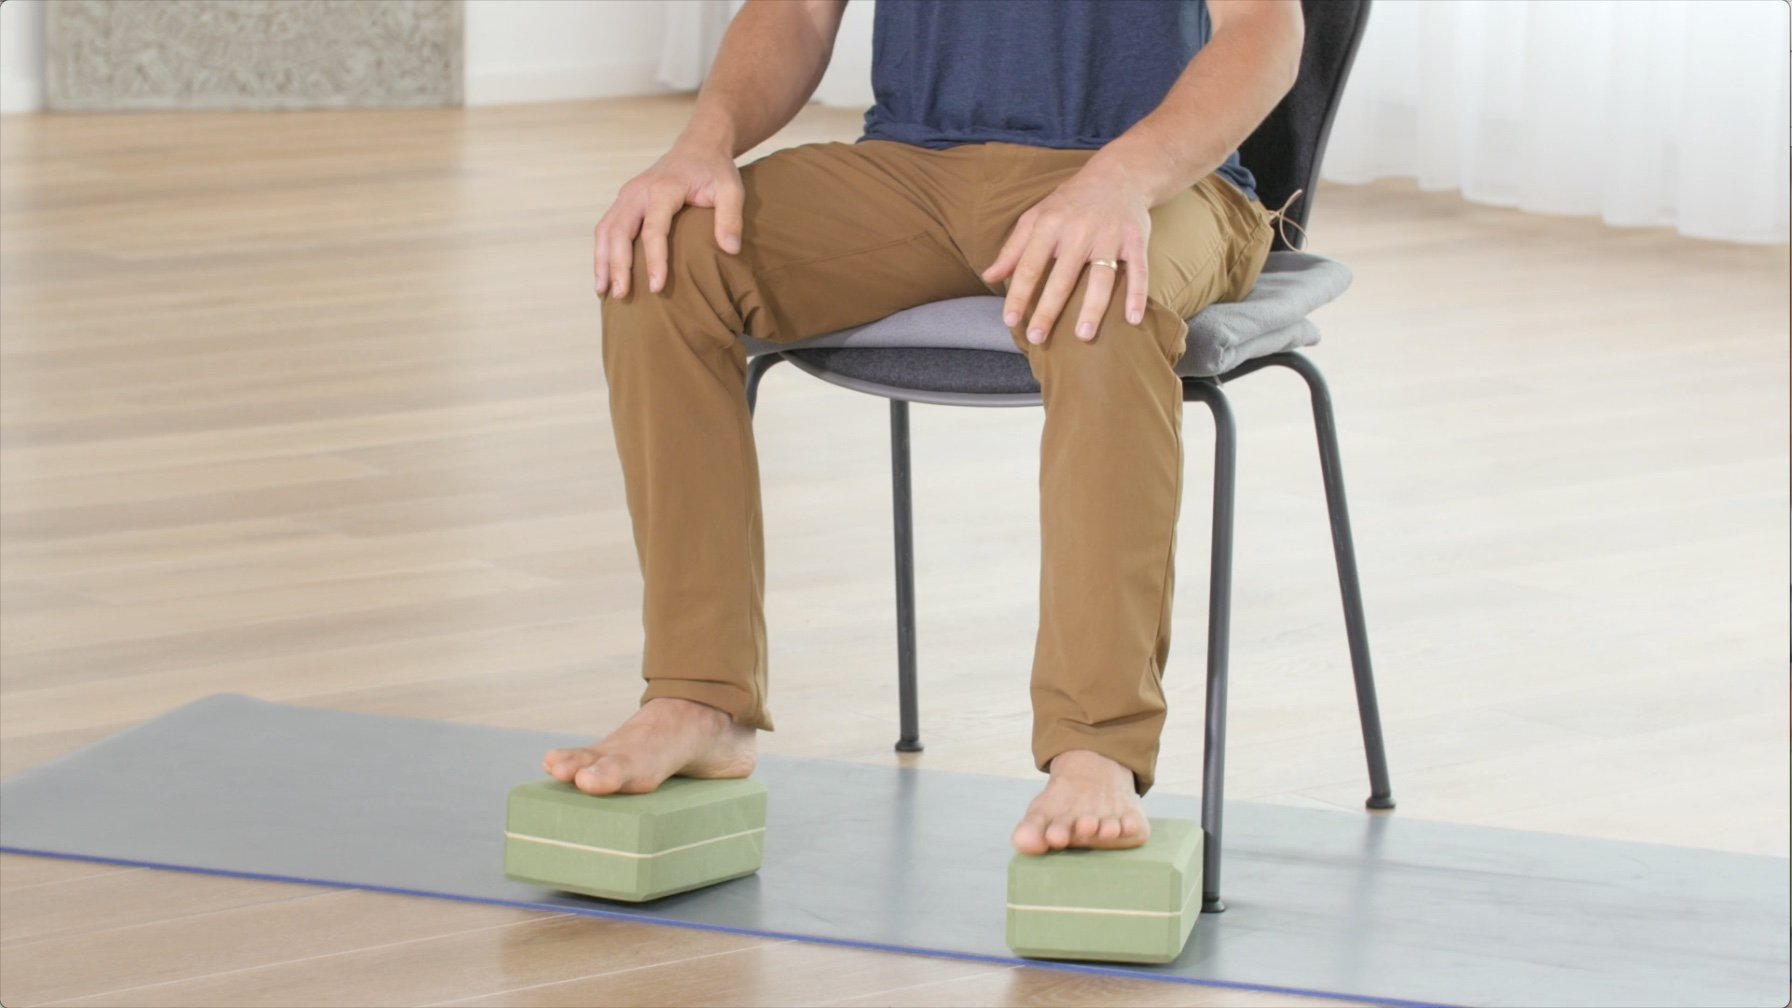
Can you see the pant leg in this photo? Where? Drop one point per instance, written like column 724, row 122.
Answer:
column 1111, row 460
column 835, row 235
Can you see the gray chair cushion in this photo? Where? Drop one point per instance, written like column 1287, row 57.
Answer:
column 939, row 374
column 907, row 350
column 1273, row 319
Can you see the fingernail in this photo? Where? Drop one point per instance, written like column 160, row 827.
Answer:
column 1135, row 315
column 1011, row 319
column 1036, row 335
column 653, row 284
column 731, row 243
column 1085, row 329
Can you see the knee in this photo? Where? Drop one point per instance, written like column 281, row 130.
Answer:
column 696, row 299
column 1119, row 347
column 691, row 253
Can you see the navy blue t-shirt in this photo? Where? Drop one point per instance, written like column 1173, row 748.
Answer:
column 1070, row 74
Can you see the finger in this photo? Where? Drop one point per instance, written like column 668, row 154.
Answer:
column 1010, row 253
column 1138, row 278
column 622, row 256
column 600, row 259
column 1035, row 259
column 730, row 200
column 1096, row 295
column 1056, row 294
column 653, row 238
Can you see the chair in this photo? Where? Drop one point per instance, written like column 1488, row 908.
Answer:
column 958, row 352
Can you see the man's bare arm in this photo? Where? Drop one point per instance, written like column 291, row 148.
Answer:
column 771, row 60
column 1230, row 86
column 1104, row 210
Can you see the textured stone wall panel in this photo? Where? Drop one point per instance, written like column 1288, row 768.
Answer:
column 105, row 55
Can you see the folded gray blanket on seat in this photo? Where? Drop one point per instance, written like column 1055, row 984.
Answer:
column 1272, row 319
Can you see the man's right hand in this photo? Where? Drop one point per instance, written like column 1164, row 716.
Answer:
column 690, row 174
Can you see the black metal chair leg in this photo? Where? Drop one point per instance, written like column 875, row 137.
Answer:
column 756, row 369
column 1219, row 622
column 1344, row 546
column 903, row 510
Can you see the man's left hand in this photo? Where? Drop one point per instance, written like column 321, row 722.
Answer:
column 1099, row 213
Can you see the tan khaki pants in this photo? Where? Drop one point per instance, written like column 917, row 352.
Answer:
column 841, row 234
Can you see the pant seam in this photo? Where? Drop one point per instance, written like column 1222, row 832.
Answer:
column 1166, row 613
column 744, row 432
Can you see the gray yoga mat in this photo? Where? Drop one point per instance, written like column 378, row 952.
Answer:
column 1370, row 908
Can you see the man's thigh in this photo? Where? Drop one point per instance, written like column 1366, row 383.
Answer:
column 1207, row 246
column 1207, row 243
column 837, row 235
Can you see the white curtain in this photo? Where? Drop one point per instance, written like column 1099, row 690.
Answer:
column 1644, row 112
column 1665, row 113
column 694, row 31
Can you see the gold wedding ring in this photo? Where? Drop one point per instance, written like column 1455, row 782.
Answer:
column 1109, row 263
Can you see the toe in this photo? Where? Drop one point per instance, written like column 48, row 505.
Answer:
column 1083, row 830
column 1110, row 830
column 1057, row 834
column 604, row 776
column 554, row 764
column 562, row 764
column 1029, row 836
column 1134, row 827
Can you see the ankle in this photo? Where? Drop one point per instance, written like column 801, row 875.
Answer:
column 1086, row 764
column 1083, row 762
column 680, row 709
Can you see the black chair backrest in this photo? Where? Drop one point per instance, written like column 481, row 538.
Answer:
column 1285, row 151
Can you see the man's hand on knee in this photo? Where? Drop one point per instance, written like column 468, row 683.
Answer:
column 1096, row 215
column 688, row 175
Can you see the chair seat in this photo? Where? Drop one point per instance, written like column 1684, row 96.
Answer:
column 958, row 351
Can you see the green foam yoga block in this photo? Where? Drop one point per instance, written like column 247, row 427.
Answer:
column 1135, row 905
column 686, row 835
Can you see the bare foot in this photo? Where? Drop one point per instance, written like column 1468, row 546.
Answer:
column 1090, row 802
column 666, row 737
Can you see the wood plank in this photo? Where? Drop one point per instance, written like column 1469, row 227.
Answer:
column 98, row 961
column 484, row 960
column 1043, row 987
column 767, row 973
column 109, row 898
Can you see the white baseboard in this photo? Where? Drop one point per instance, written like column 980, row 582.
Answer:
column 542, row 84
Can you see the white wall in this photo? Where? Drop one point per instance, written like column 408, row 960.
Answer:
column 692, row 34
column 21, row 55
column 516, row 50
column 555, row 50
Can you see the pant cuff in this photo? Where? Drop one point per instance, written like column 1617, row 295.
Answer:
column 739, row 702
column 1133, row 746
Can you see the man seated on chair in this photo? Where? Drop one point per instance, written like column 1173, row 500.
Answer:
column 1078, row 158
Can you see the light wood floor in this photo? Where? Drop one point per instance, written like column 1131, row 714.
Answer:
column 308, row 406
